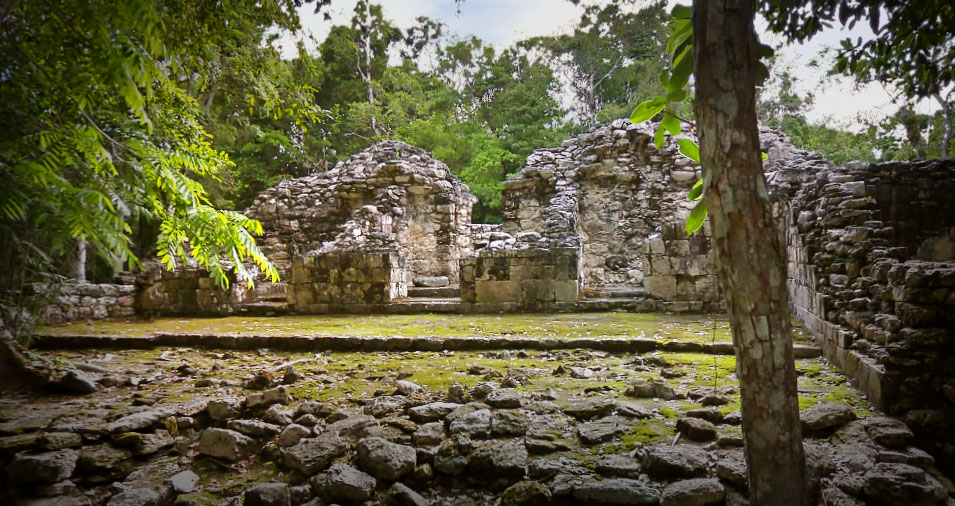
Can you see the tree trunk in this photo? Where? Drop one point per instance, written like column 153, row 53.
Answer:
column 749, row 255
column 76, row 263
column 367, row 73
column 947, row 116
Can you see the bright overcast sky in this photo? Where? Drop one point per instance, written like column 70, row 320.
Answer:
column 502, row 22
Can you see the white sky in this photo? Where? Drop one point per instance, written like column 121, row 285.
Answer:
column 502, row 22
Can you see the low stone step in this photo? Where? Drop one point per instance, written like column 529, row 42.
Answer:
column 426, row 305
column 434, row 292
column 614, row 292
column 277, row 292
column 264, row 308
column 393, row 343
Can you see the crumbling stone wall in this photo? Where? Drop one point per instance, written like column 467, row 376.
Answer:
column 513, row 279
column 679, row 269
column 858, row 236
column 604, row 192
column 622, row 203
column 345, row 280
column 84, row 301
column 391, row 195
column 188, row 291
column 357, row 234
column 482, row 233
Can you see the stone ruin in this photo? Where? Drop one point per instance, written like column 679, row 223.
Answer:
column 353, row 237
column 597, row 223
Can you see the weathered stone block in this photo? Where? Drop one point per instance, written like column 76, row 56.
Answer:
column 537, row 290
column 661, row 287
column 566, row 291
column 497, row 291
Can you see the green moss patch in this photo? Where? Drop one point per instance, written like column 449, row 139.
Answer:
column 659, row 326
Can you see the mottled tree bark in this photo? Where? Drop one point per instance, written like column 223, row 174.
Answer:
column 76, row 261
column 750, row 257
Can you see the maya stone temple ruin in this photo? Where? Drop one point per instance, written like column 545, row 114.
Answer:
column 595, row 224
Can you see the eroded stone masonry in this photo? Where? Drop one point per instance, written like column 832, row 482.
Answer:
column 597, row 223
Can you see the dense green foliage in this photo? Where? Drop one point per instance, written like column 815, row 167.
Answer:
column 128, row 126
column 101, row 129
column 913, row 51
column 478, row 108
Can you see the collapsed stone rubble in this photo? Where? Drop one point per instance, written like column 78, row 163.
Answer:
column 597, row 223
column 409, row 444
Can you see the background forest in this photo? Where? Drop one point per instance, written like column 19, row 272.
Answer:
column 478, row 108
column 131, row 127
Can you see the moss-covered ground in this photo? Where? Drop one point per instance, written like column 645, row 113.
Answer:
column 663, row 327
column 158, row 377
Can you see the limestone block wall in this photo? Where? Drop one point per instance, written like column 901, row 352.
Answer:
column 605, row 191
column 481, row 234
column 520, row 278
column 84, row 301
column 855, row 235
column 680, row 269
column 341, row 280
column 188, row 291
column 524, row 200
column 389, row 196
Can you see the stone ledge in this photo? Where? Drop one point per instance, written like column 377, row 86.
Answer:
column 389, row 343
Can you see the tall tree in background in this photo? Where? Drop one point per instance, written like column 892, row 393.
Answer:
column 611, row 59
column 913, row 48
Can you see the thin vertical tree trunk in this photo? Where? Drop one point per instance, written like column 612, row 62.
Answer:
column 749, row 255
column 76, row 263
column 947, row 116
column 367, row 44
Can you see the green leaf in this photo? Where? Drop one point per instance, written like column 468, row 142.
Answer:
column 682, row 31
column 764, row 50
column 763, row 155
column 671, row 124
column 696, row 218
column 689, row 149
column 682, row 12
column 682, row 68
column 676, row 95
column 760, row 73
column 696, row 193
column 648, row 109
column 659, row 137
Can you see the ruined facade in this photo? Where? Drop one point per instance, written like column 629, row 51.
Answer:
column 355, row 236
column 597, row 223
column 871, row 252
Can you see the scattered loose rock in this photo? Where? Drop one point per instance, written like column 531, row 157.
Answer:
column 344, row 483
column 385, row 460
column 694, row 492
column 825, row 415
column 526, row 493
column 49, row 467
column 677, row 461
column 267, row 494
column 696, row 429
column 616, row 491
column 224, row 444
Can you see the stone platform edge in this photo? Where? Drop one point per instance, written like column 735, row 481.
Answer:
column 387, row 343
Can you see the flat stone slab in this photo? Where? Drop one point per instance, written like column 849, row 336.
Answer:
column 616, row 491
